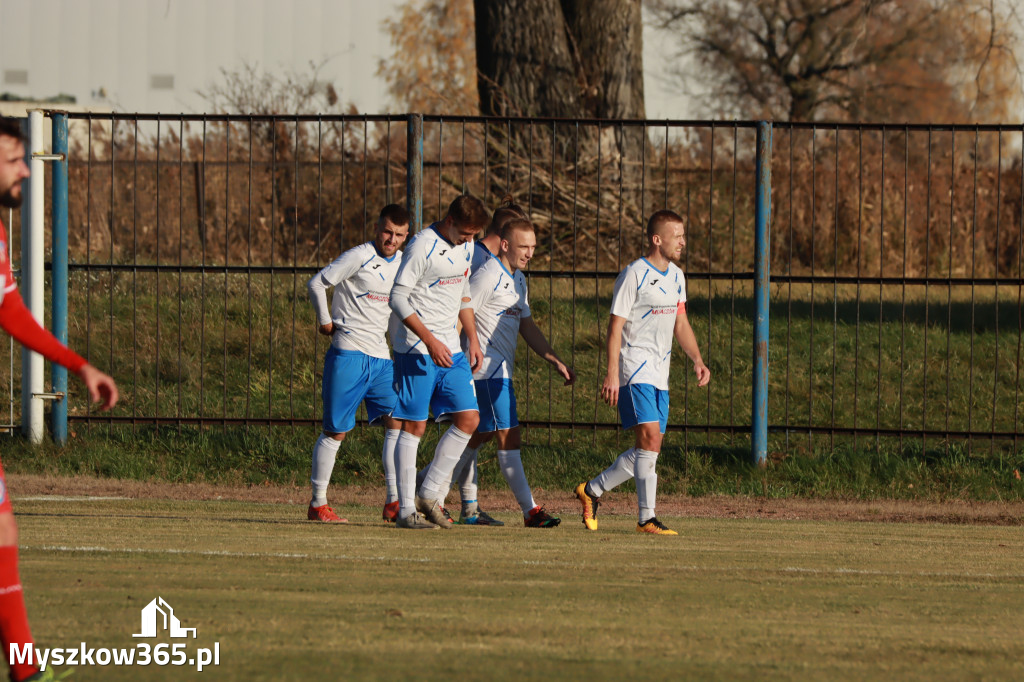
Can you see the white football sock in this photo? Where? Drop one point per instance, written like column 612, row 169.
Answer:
column 324, row 453
column 646, row 483
column 387, row 456
column 446, row 455
column 405, row 463
column 618, row 473
column 465, row 475
column 511, row 463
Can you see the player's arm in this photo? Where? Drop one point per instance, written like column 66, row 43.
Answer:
column 468, row 320
column 467, row 317
column 16, row 319
column 610, row 388
column 343, row 267
column 534, row 338
column 624, row 296
column 688, row 342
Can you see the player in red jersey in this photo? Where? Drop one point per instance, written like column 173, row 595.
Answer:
column 16, row 319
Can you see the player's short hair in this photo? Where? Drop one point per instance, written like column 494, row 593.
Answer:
column 516, row 225
column 660, row 218
column 11, row 127
column 395, row 214
column 506, row 211
column 468, row 211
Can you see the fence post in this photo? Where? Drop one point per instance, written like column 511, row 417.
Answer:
column 59, row 310
column 762, row 217
column 32, row 236
column 414, row 172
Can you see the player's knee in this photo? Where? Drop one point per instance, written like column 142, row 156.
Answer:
column 467, row 421
column 509, row 439
column 8, row 530
column 415, row 428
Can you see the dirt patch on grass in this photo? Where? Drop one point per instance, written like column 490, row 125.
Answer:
column 558, row 502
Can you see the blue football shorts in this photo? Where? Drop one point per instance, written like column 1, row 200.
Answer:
column 351, row 377
column 642, row 404
column 423, row 388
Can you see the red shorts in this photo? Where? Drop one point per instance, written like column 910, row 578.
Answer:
column 5, row 499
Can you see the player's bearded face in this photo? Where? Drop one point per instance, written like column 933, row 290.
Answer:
column 12, row 171
column 390, row 238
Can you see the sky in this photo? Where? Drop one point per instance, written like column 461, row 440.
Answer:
column 156, row 55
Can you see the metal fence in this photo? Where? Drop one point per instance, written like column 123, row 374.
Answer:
column 895, row 260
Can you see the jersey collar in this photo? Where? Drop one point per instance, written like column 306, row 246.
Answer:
column 661, row 272
column 433, row 226
column 381, row 255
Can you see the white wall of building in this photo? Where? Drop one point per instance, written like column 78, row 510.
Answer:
column 154, row 55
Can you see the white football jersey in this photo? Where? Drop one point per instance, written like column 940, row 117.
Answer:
column 499, row 303
column 649, row 299
column 362, row 281
column 481, row 254
column 438, row 273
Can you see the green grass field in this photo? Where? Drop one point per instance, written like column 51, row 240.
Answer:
column 727, row 599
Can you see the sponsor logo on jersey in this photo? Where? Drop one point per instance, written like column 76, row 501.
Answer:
column 446, row 281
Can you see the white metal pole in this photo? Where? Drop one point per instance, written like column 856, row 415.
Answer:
column 32, row 243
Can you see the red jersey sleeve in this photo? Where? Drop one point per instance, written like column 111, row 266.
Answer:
column 16, row 319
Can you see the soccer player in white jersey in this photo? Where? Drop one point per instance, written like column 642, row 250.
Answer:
column 466, row 474
column 501, row 308
column 432, row 374
column 648, row 310
column 357, row 366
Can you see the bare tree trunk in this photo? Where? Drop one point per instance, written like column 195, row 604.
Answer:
column 523, row 58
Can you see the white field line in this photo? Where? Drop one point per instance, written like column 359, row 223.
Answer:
column 66, row 498
column 838, row 571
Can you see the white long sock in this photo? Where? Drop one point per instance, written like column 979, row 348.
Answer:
column 511, row 463
column 646, row 483
column 619, row 472
column 446, row 455
column 465, row 475
column 387, row 457
column 324, row 453
column 405, row 463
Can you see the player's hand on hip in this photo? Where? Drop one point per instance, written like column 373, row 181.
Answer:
column 703, row 373
column 101, row 387
column 439, row 353
column 327, row 329
column 610, row 390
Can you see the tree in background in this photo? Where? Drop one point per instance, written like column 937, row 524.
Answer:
column 861, row 60
column 433, row 68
